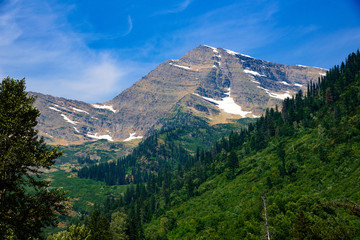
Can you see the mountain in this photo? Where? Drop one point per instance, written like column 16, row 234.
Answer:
column 215, row 84
column 290, row 175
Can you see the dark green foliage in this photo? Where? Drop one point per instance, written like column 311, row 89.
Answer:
column 26, row 203
column 169, row 146
column 232, row 163
column 99, row 227
column 149, row 156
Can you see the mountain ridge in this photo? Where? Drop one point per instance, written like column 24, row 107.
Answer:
column 226, row 85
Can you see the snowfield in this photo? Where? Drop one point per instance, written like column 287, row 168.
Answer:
column 110, row 108
column 68, row 120
column 276, row 95
column 79, row 110
column 55, row 109
column 227, row 104
column 132, row 137
column 285, row 83
column 253, row 73
column 179, row 66
column 76, row 130
column 95, row 136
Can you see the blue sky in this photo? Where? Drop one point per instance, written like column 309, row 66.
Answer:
column 92, row 50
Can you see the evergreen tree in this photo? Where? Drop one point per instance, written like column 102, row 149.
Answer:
column 99, row 227
column 26, row 202
column 232, row 163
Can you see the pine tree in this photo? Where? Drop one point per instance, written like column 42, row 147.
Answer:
column 99, row 227
column 26, row 202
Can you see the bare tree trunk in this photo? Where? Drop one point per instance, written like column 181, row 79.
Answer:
column 266, row 220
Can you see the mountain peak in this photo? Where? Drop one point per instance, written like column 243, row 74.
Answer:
column 199, row 83
column 217, row 50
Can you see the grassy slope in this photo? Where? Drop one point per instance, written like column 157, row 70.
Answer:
column 83, row 195
column 84, row 192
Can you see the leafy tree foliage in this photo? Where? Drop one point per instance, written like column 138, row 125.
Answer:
column 75, row 232
column 27, row 204
column 118, row 225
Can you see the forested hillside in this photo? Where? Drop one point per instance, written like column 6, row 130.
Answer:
column 300, row 165
column 181, row 136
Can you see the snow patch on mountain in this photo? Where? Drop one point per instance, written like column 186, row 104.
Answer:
column 110, row 108
column 95, row 136
column 179, row 66
column 214, row 49
column 276, row 95
column 285, row 83
column 227, row 104
column 55, row 109
column 231, row 52
column 76, row 130
column 68, row 120
column 255, row 81
column 79, row 110
column 253, row 73
column 64, row 108
column 132, row 137
column 48, row 134
column 236, row 53
column 302, row 66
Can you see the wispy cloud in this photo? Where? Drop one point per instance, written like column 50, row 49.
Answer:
column 36, row 42
column 130, row 26
column 234, row 26
column 178, row 8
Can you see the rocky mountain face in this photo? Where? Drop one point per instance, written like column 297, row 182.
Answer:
column 215, row 84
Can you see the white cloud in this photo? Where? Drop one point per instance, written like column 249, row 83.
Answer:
column 37, row 42
column 98, row 79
